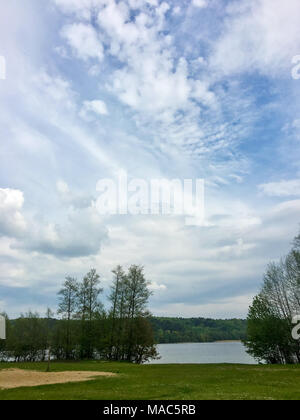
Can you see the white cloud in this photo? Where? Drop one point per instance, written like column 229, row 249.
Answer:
column 11, row 276
column 12, row 222
column 157, row 287
column 77, row 200
column 81, row 8
column 259, row 35
column 177, row 10
column 152, row 79
column 91, row 109
column 94, row 70
column 84, row 41
column 62, row 187
column 153, row 91
column 201, row 92
column 200, row 3
column 287, row 208
column 281, row 188
column 80, row 235
column 53, row 88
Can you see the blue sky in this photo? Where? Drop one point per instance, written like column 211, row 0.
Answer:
column 170, row 89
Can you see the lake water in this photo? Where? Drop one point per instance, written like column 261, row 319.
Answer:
column 229, row 352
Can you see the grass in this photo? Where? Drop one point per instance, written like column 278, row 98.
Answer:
column 165, row 382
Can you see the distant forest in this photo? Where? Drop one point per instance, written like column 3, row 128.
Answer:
column 197, row 330
column 187, row 330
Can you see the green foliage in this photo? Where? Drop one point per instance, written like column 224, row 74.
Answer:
column 65, row 332
column 86, row 330
column 131, row 336
column 89, row 309
column 197, row 330
column 27, row 339
column 269, row 334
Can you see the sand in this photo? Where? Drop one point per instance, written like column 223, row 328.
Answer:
column 16, row 378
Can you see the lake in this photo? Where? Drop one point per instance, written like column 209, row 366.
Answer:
column 227, row 352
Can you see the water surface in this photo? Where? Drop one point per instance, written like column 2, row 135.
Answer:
column 227, row 352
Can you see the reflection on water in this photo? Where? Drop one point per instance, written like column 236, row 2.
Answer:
column 229, row 352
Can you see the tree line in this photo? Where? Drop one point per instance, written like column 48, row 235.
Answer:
column 269, row 331
column 197, row 330
column 85, row 329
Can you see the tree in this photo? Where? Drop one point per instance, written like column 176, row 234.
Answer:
column 89, row 308
column 137, row 296
column 270, row 316
column 27, row 338
column 131, row 334
column 49, row 316
column 143, row 346
column 86, row 330
column 116, row 313
column 68, row 297
column 296, row 243
column 268, row 334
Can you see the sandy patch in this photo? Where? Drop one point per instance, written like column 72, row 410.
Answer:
column 15, row 378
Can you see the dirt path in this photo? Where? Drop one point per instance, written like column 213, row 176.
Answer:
column 15, row 378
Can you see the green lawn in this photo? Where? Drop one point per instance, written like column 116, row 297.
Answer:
column 166, row 382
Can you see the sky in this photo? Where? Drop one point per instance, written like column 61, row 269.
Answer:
column 189, row 89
